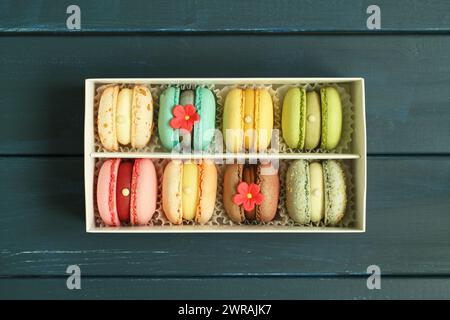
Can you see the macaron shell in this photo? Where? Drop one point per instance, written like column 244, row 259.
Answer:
column 317, row 194
column 123, row 191
column 331, row 117
column 264, row 118
column 142, row 117
column 269, row 182
column 208, row 191
column 167, row 101
column 143, row 192
column 232, row 177
column 172, row 191
column 106, row 192
column 233, row 120
column 106, row 121
column 249, row 120
column 335, row 191
column 190, row 190
column 205, row 103
column 292, row 117
column 313, row 120
column 123, row 116
column 298, row 200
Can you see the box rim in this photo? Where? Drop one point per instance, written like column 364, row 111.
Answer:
column 91, row 156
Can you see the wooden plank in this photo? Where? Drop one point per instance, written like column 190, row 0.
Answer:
column 406, row 80
column 42, row 230
column 226, row 288
column 285, row 16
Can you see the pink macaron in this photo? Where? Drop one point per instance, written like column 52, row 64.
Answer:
column 115, row 192
column 143, row 192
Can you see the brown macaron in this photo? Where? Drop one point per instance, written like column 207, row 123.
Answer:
column 251, row 192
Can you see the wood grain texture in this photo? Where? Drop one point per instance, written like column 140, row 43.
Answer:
column 223, row 16
column 42, row 230
column 42, row 80
column 226, row 288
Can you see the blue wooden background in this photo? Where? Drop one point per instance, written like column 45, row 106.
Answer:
column 406, row 65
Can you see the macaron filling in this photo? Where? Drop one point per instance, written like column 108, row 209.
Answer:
column 187, row 118
column 323, row 97
column 123, row 191
column 302, row 124
column 248, row 195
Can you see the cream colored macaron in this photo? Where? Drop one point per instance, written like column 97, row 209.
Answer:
column 141, row 117
column 125, row 117
column 317, row 187
column 106, row 121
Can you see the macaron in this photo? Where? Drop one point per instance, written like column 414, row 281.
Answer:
column 316, row 191
column 143, row 192
column 309, row 120
column 126, row 191
column 312, row 120
column 106, row 120
column 125, row 117
column 184, row 113
column 189, row 191
column 251, row 192
column 293, row 117
column 106, row 192
column 335, row 191
column 247, row 120
column 331, row 118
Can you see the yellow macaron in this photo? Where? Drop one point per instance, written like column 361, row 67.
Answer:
column 247, row 120
column 189, row 191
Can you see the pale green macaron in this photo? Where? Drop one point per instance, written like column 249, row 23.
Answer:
column 316, row 191
column 335, row 191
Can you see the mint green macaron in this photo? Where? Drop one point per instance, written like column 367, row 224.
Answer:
column 203, row 130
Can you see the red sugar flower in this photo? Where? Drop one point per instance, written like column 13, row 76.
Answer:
column 248, row 195
column 184, row 117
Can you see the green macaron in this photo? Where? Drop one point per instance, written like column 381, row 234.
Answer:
column 205, row 106
column 298, row 201
column 316, row 191
column 335, row 191
column 310, row 120
column 293, row 120
column 331, row 118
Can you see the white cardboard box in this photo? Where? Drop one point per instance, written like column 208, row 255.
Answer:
column 356, row 157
